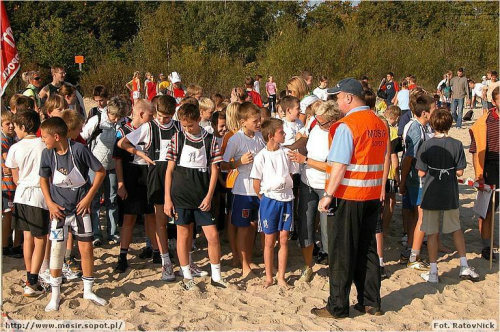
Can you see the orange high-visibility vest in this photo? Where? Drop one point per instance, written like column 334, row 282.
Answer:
column 363, row 178
column 478, row 129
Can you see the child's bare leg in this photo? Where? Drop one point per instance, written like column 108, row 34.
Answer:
column 127, row 229
column 458, row 239
column 270, row 240
column 150, row 226
column 161, row 228
column 282, row 258
column 212, row 237
column 38, row 253
column 183, row 240
column 390, row 202
column 28, row 247
column 231, row 236
column 245, row 238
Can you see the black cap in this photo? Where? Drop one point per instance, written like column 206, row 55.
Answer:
column 347, row 85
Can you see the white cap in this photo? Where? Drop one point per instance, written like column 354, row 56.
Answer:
column 174, row 77
column 484, row 77
column 308, row 100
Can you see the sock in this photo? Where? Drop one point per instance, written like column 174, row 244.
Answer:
column 33, row 279
column 381, row 261
column 186, row 272
column 486, row 243
column 123, row 253
column 463, row 262
column 165, row 259
column 45, row 265
column 434, row 268
column 88, row 282
column 156, row 251
column 215, row 272
column 413, row 255
column 28, row 276
column 55, row 284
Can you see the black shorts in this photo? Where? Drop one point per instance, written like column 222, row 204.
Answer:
column 7, row 201
column 135, row 182
column 156, row 182
column 31, row 219
column 391, row 187
column 491, row 177
column 188, row 216
column 296, row 181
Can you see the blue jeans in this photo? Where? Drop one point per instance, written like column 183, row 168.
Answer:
column 109, row 186
column 457, row 109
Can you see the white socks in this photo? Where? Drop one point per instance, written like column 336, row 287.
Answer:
column 463, row 262
column 165, row 259
column 186, row 272
column 434, row 268
column 55, row 284
column 215, row 272
column 381, row 261
column 88, row 282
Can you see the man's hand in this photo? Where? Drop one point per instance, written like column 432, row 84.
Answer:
column 324, row 204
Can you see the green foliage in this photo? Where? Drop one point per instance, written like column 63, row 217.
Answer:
column 217, row 43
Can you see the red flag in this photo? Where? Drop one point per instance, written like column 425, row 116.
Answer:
column 9, row 61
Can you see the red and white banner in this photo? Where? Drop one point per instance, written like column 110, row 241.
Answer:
column 9, row 61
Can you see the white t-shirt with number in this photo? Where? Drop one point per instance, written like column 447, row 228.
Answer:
column 317, row 149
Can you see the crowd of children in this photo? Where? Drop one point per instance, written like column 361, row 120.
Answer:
column 185, row 164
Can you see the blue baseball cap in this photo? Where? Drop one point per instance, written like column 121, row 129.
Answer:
column 347, row 85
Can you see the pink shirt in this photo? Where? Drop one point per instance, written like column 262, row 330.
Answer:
column 271, row 88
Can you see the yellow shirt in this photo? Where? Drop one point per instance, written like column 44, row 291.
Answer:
column 393, row 134
column 163, row 85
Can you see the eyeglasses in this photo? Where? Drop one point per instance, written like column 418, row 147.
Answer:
column 38, row 78
column 324, row 123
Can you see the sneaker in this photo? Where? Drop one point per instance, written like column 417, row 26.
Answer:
column 222, row 283
column 405, row 256
column 418, row 265
column 307, row 274
column 167, row 273
column 189, row 285
column 322, row 258
column 45, row 276
column 69, row 274
column 316, row 249
column 430, row 277
column 194, row 247
column 122, row 265
column 404, row 239
column 468, row 273
column 383, row 274
column 196, row 271
column 74, row 265
column 33, row 290
column 485, row 253
column 157, row 258
column 147, row 252
column 114, row 240
column 97, row 243
column 16, row 252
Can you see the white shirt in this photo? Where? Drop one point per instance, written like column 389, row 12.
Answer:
column 320, row 93
column 291, row 130
column 256, row 86
column 237, row 146
column 26, row 156
column 317, row 149
column 207, row 125
column 478, row 90
column 273, row 168
column 91, row 124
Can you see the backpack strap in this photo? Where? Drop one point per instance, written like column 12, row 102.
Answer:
column 97, row 131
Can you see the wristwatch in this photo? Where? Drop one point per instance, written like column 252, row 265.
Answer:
column 327, row 195
column 305, row 162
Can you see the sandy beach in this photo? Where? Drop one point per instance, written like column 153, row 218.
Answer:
column 145, row 302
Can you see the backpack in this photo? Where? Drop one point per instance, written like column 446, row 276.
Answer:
column 97, row 131
column 468, row 115
column 447, row 91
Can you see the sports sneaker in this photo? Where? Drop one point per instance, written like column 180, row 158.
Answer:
column 322, row 258
column 468, row 273
column 45, row 276
column 222, row 283
column 405, row 256
column 307, row 274
column 430, row 277
column 157, row 257
column 74, row 265
column 97, row 243
column 189, row 285
column 33, row 290
column 147, row 252
column 418, row 265
column 485, row 253
column 122, row 265
column 383, row 274
column 404, row 239
column 68, row 274
column 167, row 273
column 196, row 271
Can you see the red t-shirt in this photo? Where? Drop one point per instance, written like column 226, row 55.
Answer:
column 151, row 90
column 256, row 99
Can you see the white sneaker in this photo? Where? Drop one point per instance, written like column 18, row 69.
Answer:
column 167, row 273
column 468, row 273
column 33, row 290
column 189, row 285
column 69, row 274
column 430, row 277
column 45, row 276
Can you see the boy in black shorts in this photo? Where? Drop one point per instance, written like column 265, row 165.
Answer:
column 192, row 172
column 31, row 213
column 64, row 169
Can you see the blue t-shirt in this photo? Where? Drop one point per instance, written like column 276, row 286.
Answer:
column 414, row 138
column 404, row 99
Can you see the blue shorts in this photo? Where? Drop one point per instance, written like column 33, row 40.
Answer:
column 188, row 216
column 412, row 198
column 275, row 216
column 245, row 209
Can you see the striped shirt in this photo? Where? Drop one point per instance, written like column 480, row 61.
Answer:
column 492, row 146
column 7, row 180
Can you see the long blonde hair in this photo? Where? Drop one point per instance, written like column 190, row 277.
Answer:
column 299, row 86
column 232, row 122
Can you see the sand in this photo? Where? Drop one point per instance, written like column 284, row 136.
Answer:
column 144, row 302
